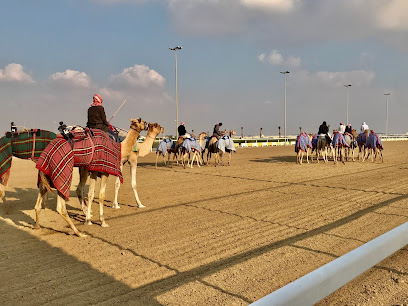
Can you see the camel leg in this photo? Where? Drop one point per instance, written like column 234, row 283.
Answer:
column 157, row 157
column 174, row 157
column 80, row 191
column 91, row 195
column 37, row 208
column 62, row 210
column 133, row 167
column 192, row 160
column 229, row 158
column 104, row 179
column 117, row 186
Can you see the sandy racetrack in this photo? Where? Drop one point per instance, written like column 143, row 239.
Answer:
column 209, row 236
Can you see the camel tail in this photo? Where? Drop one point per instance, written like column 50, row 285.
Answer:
column 44, row 182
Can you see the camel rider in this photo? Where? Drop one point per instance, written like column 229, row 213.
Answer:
column 349, row 129
column 342, row 128
column 97, row 118
column 364, row 127
column 324, row 130
column 96, row 115
column 217, row 132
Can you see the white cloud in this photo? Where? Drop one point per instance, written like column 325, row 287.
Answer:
column 393, row 15
column 275, row 58
column 294, row 21
column 138, row 76
column 335, row 79
column 72, row 78
column 276, row 5
column 14, row 72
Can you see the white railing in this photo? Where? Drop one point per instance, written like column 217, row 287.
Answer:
column 318, row 284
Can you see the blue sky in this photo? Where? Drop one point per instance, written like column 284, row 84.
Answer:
column 56, row 54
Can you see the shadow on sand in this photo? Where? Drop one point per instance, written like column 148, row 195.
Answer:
column 277, row 159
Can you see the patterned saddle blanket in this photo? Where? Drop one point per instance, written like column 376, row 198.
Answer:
column 303, row 142
column 23, row 144
column 190, row 144
column 165, row 146
column 225, row 143
column 97, row 153
column 338, row 140
column 361, row 139
column 374, row 141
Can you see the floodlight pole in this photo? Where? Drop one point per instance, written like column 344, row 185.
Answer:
column 285, row 73
column 175, row 56
column 386, row 112
column 348, row 91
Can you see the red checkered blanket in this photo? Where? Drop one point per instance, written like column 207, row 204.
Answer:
column 98, row 153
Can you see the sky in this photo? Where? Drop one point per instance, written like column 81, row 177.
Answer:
column 54, row 55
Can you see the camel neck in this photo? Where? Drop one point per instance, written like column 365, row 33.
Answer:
column 128, row 143
column 146, row 146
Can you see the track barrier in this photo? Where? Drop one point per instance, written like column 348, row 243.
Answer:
column 323, row 281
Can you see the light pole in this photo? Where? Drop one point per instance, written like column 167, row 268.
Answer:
column 386, row 112
column 285, row 73
column 175, row 55
column 348, row 91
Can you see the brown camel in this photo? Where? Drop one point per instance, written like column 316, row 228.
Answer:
column 136, row 126
column 212, row 147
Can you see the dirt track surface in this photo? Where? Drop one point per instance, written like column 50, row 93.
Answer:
column 209, row 236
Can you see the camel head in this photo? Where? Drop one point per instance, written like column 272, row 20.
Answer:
column 224, row 132
column 202, row 135
column 232, row 133
column 310, row 136
column 137, row 124
column 354, row 133
column 155, row 129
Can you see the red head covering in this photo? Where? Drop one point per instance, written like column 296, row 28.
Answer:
column 97, row 100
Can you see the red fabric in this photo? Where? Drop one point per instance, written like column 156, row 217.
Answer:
column 97, row 100
column 57, row 162
column 98, row 153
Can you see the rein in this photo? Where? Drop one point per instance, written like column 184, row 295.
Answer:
column 135, row 129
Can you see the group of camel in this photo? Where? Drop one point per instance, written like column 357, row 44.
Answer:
column 190, row 150
column 127, row 155
column 339, row 146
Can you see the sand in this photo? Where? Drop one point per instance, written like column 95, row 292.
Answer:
column 209, row 235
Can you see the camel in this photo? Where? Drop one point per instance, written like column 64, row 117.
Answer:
column 225, row 145
column 177, row 154
column 338, row 145
column 361, row 142
column 143, row 149
column 212, row 147
column 136, row 126
column 322, row 147
column 195, row 147
column 24, row 144
column 166, row 146
column 351, row 140
column 303, row 145
column 374, row 146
